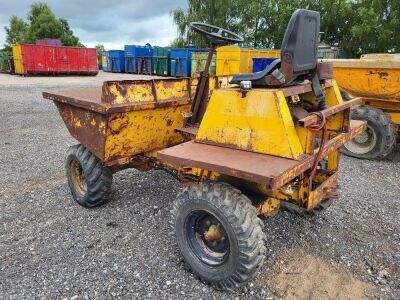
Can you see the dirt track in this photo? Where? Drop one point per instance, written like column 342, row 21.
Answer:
column 52, row 248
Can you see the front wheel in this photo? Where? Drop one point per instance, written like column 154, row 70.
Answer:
column 219, row 234
column 378, row 140
column 89, row 181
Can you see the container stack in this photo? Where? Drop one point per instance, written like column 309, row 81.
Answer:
column 188, row 61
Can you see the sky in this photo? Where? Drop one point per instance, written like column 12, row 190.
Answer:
column 112, row 23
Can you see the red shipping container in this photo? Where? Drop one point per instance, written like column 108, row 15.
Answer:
column 39, row 59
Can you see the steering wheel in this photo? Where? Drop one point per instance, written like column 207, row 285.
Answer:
column 215, row 34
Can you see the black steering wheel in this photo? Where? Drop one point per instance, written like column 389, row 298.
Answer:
column 215, row 34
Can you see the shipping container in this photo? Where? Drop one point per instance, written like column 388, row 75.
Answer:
column 6, row 62
column 161, row 61
column 116, row 61
column 38, row 59
column 144, row 55
column 259, row 64
column 130, row 59
column 234, row 60
column 199, row 62
column 104, row 61
column 49, row 42
column 181, row 61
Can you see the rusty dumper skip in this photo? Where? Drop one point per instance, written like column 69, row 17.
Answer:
column 268, row 140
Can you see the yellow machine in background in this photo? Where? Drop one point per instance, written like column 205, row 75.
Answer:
column 244, row 148
column 234, row 60
column 375, row 78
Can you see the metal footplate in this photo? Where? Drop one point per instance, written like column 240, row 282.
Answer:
column 270, row 170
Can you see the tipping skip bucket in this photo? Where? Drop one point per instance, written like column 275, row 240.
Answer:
column 125, row 118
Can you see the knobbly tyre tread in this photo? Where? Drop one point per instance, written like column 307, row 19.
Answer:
column 388, row 132
column 242, row 216
column 98, row 177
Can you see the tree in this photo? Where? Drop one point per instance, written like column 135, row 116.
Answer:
column 356, row 26
column 42, row 23
column 378, row 28
column 220, row 13
column 15, row 32
column 67, row 35
column 100, row 49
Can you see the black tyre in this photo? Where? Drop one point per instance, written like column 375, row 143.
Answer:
column 89, row 181
column 378, row 141
column 219, row 234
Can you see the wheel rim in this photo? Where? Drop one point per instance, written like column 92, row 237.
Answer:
column 78, row 178
column 207, row 238
column 362, row 143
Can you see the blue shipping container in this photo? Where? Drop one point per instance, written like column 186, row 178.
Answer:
column 181, row 61
column 259, row 64
column 130, row 59
column 144, row 55
column 115, row 61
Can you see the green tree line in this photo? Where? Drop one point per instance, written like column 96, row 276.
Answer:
column 41, row 23
column 356, row 26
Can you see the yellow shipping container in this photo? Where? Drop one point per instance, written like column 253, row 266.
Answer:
column 234, row 60
column 17, row 55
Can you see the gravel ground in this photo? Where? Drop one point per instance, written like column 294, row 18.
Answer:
column 52, row 248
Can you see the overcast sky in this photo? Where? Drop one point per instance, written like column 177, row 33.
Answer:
column 111, row 23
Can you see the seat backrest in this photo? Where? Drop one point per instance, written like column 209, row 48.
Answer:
column 300, row 43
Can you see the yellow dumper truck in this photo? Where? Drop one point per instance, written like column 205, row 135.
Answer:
column 375, row 78
column 271, row 140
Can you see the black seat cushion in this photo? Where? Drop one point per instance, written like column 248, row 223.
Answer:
column 236, row 79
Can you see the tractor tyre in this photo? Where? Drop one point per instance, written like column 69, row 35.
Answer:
column 378, row 141
column 218, row 234
column 89, row 181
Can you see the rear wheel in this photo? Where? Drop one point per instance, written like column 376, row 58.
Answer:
column 219, row 234
column 378, row 140
column 88, row 180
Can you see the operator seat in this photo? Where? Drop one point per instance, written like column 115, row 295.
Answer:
column 298, row 53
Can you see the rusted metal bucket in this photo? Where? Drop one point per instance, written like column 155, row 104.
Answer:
column 125, row 117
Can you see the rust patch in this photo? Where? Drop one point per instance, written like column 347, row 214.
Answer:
column 90, row 132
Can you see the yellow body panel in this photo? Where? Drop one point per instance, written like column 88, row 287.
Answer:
column 134, row 132
column 233, row 60
column 18, row 62
column 259, row 122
